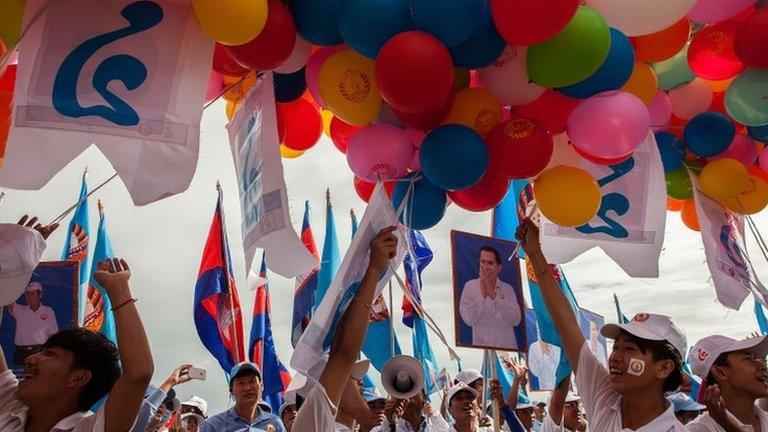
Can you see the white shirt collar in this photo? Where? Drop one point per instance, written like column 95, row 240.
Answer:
column 65, row 424
column 664, row 423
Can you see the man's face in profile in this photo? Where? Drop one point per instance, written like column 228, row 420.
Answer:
column 489, row 268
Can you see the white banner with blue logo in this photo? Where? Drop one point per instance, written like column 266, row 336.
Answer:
column 722, row 233
column 128, row 76
column 629, row 226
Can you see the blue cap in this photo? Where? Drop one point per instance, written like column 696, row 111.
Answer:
column 683, row 402
column 371, row 394
column 242, row 367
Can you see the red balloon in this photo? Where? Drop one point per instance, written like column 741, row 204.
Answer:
column 550, row 110
column 528, row 22
column 299, row 124
column 598, row 160
column 414, row 71
column 364, row 189
column 428, row 118
column 273, row 45
column 224, row 64
column 484, row 195
column 718, row 103
column 7, row 81
column 518, row 148
column 711, row 54
column 341, row 132
column 750, row 43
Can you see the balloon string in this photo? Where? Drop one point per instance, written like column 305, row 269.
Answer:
column 81, row 200
column 228, row 88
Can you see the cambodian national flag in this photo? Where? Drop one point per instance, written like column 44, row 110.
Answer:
column 414, row 263
column 76, row 246
column 217, row 312
column 306, row 285
column 98, row 314
column 274, row 374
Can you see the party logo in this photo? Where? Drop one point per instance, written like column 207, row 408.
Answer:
column 354, row 85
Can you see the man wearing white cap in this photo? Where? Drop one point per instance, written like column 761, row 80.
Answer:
column 564, row 412
column 736, row 376
column 646, row 361
column 463, row 407
column 472, row 378
column 35, row 323
column 287, row 411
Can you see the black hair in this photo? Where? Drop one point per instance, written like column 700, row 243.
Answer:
column 244, row 373
column 96, row 354
column 721, row 360
column 492, row 250
column 661, row 350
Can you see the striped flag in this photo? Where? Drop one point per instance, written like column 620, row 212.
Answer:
column 76, row 245
column 306, row 284
column 414, row 263
column 98, row 314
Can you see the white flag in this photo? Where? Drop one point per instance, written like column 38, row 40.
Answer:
column 128, row 76
column 722, row 233
column 309, row 355
column 629, row 226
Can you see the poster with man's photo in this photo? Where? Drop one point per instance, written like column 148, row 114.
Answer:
column 591, row 323
column 487, row 293
column 47, row 305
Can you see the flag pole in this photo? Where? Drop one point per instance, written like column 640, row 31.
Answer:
column 74, row 206
column 2, row 197
column 235, row 340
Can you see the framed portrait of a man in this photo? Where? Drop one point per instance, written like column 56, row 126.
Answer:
column 591, row 323
column 487, row 293
column 47, row 305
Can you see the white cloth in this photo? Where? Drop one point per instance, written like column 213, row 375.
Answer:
column 603, row 405
column 479, row 429
column 14, row 414
column 705, row 423
column 435, row 423
column 549, row 425
column 317, row 413
column 33, row 327
column 544, row 366
column 598, row 350
column 342, row 428
column 493, row 321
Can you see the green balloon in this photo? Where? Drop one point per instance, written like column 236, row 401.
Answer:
column 679, row 184
column 674, row 72
column 10, row 21
column 746, row 99
column 572, row 55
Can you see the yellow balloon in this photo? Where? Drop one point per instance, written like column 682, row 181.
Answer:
column 753, row 200
column 289, row 153
column 10, row 21
column 723, row 178
column 349, row 89
column 327, row 116
column 566, row 195
column 475, row 108
column 234, row 22
column 642, row 83
column 240, row 86
column 232, row 108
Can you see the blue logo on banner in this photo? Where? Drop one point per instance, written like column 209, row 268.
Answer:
column 141, row 16
column 613, row 201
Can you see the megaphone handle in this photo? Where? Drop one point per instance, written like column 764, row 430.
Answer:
column 393, row 423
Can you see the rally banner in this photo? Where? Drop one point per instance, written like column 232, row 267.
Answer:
column 128, row 76
column 310, row 353
column 255, row 149
column 722, row 233
column 629, row 226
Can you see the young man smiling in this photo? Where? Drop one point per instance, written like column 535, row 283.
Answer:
column 646, row 361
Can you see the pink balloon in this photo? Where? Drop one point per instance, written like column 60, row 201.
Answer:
column 691, row 99
column 742, row 149
column 660, row 110
column 764, row 160
column 610, row 125
column 215, row 86
column 380, row 151
column 507, row 78
column 298, row 57
column 712, row 11
column 416, row 137
column 312, row 72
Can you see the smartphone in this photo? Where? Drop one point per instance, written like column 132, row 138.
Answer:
column 196, row 373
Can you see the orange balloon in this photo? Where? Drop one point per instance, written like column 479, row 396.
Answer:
column 642, row 83
column 239, row 86
column 674, row 205
column 720, row 86
column 689, row 216
column 232, row 107
column 663, row 44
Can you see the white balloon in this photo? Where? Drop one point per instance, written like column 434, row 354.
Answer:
column 641, row 17
column 507, row 78
column 691, row 99
column 298, row 57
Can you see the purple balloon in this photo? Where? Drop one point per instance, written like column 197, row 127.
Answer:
column 380, row 151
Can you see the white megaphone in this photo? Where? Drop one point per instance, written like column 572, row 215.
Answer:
column 402, row 377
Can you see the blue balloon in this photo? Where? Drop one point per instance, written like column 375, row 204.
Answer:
column 759, row 133
column 289, row 87
column 482, row 48
column 425, row 208
column 709, row 134
column 612, row 75
column 453, row 157
column 452, row 21
column 366, row 25
column 316, row 20
column 672, row 150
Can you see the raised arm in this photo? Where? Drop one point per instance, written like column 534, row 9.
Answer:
column 557, row 304
column 350, row 332
column 557, row 400
column 135, row 356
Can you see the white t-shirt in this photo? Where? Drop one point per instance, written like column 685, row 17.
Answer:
column 479, row 429
column 33, row 327
column 544, row 366
column 493, row 321
column 13, row 413
column 705, row 423
column 435, row 423
column 549, row 425
column 603, row 405
column 317, row 413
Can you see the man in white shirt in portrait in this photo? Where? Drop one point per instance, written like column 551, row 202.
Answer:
column 543, row 361
column 35, row 323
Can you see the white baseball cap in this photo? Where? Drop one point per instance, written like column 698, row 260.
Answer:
column 525, row 405
column 468, row 376
column 572, row 397
column 199, row 403
column 707, row 350
column 650, row 326
column 20, row 251
column 200, row 419
column 34, row 286
column 459, row 387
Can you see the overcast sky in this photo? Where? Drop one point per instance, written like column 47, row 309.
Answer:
column 163, row 243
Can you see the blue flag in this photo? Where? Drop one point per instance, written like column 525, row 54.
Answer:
column 422, row 351
column 76, row 246
column 762, row 322
column 414, row 264
column 98, row 315
column 505, row 218
column 331, row 258
column 622, row 319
